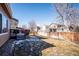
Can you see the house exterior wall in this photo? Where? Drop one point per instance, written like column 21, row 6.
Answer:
column 3, row 38
column 6, row 13
column 14, row 24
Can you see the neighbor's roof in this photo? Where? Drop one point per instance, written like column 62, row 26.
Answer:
column 15, row 19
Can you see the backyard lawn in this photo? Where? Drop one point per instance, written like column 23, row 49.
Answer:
column 40, row 46
column 60, row 47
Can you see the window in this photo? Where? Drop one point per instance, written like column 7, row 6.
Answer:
column 0, row 22
column 4, row 24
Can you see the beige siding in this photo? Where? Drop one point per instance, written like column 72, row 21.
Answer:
column 13, row 24
column 3, row 38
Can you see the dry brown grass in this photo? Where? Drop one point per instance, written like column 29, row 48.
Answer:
column 42, row 37
column 63, row 47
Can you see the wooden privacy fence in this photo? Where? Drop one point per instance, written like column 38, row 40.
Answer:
column 72, row 36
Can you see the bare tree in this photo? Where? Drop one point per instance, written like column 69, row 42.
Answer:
column 73, row 16
column 32, row 26
column 59, row 20
column 73, row 19
column 68, row 14
column 62, row 9
column 38, row 28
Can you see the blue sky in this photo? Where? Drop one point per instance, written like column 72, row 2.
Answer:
column 41, row 13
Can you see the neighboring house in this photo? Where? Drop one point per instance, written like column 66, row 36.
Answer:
column 73, row 28
column 24, row 26
column 54, row 27
column 42, row 31
column 5, row 18
column 42, row 28
column 14, row 23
